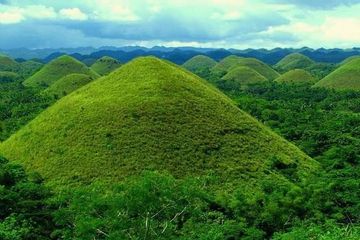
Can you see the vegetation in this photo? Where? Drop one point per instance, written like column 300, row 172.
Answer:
column 171, row 118
column 347, row 60
column 296, row 76
column 240, row 77
column 346, row 77
column 24, row 212
column 28, row 68
column 8, row 64
column 67, row 85
column 105, row 65
column 200, row 65
column 57, row 69
column 294, row 61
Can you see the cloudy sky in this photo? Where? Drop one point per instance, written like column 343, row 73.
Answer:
column 201, row 23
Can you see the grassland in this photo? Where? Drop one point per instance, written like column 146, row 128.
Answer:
column 56, row 70
column 153, row 115
column 294, row 61
column 296, row 76
column 200, row 65
column 105, row 65
column 346, row 77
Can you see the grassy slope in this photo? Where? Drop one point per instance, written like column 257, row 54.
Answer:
column 67, row 84
column 346, row 77
column 57, row 69
column 8, row 76
column 294, row 61
column 347, row 60
column 296, row 76
column 150, row 114
column 231, row 62
column 8, row 64
column 243, row 76
column 199, row 63
column 105, row 65
column 30, row 67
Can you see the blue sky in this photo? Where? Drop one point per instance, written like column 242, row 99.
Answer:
column 201, row 23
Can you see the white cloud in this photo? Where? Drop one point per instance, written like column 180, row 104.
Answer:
column 11, row 16
column 112, row 10
column 73, row 14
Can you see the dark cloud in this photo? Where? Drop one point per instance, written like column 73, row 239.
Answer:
column 317, row 4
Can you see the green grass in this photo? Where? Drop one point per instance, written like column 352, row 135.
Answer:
column 29, row 68
column 67, row 85
column 294, row 61
column 200, row 65
column 105, row 65
column 296, row 76
column 8, row 64
column 241, row 77
column 346, row 77
column 231, row 62
column 8, row 76
column 57, row 69
column 347, row 60
column 153, row 115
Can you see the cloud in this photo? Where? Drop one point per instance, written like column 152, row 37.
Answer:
column 318, row 4
column 73, row 14
column 11, row 16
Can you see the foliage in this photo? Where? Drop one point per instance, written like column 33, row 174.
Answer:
column 294, row 61
column 24, row 213
column 296, row 76
column 200, row 65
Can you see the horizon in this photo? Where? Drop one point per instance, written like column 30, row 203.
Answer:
column 229, row 24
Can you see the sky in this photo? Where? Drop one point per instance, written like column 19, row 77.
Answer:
column 200, row 23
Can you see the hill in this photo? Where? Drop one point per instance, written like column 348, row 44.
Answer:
column 105, row 65
column 296, row 76
column 239, row 78
column 8, row 64
column 8, row 76
column 294, row 61
column 346, row 77
column 56, row 69
column 67, row 84
column 228, row 63
column 30, row 67
column 200, row 65
column 350, row 59
column 152, row 115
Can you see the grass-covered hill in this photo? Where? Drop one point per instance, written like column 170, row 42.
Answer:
column 296, row 76
column 30, row 67
column 8, row 64
column 294, row 61
column 67, row 84
column 105, row 65
column 152, row 115
column 350, row 59
column 56, row 69
column 346, row 77
column 8, row 76
column 200, row 65
column 239, row 78
column 231, row 62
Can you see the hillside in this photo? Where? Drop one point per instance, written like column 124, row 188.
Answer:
column 294, row 61
column 67, row 84
column 153, row 115
column 346, row 77
column 239, row 78
column 228, row 63
column 8, row 76
column 296, row 76
column 28, row 68
column 8, row 64
column 347, row 60
column 57, row 69
column 105, row 65
column 200, row 65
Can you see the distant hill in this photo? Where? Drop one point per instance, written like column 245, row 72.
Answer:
column 8, row 64
column 57, row 69
column 228, row 63
column 153, row 115
column 350, row 59
column 240, row 77
column 67, row 85
column 200, row 65
column 294, row 61
column 8, row 76
column 346, row 77
column 296, row 76
column 105, row 65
